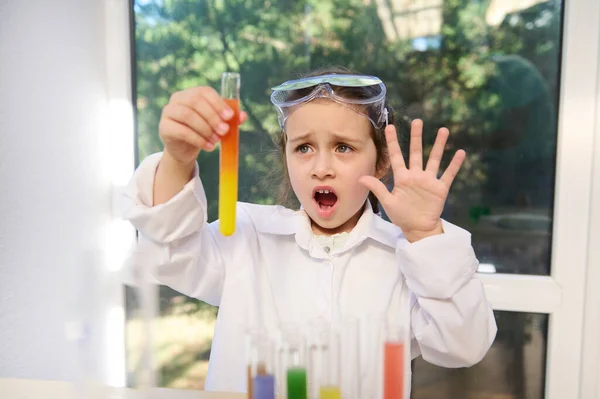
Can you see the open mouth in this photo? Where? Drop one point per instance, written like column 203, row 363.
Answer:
column 325, row 198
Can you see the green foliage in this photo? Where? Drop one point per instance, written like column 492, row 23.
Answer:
column 184, row 43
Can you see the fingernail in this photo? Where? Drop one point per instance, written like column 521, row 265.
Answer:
column 227, row 114
column 222, row 128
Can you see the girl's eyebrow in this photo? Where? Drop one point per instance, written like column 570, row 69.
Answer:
column 336, row 137
column 302, row 137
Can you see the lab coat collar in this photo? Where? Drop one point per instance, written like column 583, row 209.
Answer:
column 289, row 222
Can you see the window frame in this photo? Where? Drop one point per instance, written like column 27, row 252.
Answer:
column 562, row 295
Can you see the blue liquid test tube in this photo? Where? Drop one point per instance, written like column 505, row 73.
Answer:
column 261, row 380
column 263, row 387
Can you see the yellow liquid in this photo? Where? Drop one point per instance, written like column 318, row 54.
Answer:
column 228, row 178
column 227, row 198
column 329, row 392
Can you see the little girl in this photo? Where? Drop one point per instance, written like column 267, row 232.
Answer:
column 333, row 258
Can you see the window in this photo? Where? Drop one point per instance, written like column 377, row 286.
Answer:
column 487, row 70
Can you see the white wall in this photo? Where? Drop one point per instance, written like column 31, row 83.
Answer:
column 55, row 192
column 57, row 84
column 590, row 377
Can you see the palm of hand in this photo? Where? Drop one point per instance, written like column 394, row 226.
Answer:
column 420, row 201
column 417, row 199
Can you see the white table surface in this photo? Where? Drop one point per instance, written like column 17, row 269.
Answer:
column 38, row 389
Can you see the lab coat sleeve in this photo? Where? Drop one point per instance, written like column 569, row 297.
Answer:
column 452, row 321
column 176, row 246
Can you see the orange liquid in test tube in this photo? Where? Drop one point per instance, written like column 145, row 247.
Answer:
column 393, row 379
column 228, row 178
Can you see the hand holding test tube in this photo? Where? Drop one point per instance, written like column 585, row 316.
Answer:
column 229, row 159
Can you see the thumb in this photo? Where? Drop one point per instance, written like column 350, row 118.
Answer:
column 376, row 187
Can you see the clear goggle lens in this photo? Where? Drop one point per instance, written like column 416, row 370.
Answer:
column 361, row 93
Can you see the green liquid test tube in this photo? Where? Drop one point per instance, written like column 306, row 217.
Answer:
column 296, row 383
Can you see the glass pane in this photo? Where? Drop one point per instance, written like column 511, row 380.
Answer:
column 182, row 338
column 487, row 70
column 514, row 368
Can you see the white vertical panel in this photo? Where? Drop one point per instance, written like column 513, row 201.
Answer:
column 572, row 205
column 120, row 161
column 590, row 364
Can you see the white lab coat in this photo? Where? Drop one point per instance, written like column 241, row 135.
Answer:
column 272, row 271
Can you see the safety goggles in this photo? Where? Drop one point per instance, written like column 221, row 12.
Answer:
column 362, row 93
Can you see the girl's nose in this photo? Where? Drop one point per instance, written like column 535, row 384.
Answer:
column 323, row 166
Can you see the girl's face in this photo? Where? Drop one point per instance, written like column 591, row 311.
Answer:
column 329, row 147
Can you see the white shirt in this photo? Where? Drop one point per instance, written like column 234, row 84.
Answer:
column 274, row 271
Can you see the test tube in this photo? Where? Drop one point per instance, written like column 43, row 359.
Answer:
column 280, row 369
column 372, row 377
column 330, row 380
column 295, row 365
column 318, row 350
column 350, row 358
column 394, row 351
column 251, row 337
column 396, row 356
column 261, row 371
column 229, row 155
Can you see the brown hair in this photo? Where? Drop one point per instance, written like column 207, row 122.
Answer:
column 378, row 136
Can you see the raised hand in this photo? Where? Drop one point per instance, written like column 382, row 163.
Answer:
column 416, row 202
column 194, row 119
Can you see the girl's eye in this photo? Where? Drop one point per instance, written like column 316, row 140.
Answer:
column 302, row 148
column 344, row 148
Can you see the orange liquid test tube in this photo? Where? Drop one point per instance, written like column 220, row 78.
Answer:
column 396, row 358
column 229, row 156
column 393, row 387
